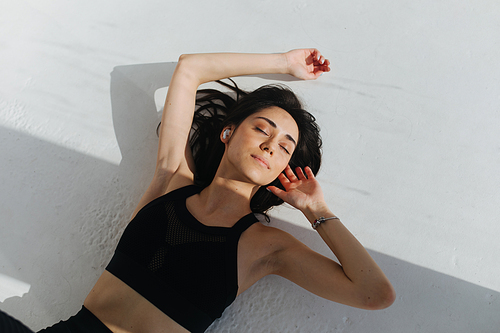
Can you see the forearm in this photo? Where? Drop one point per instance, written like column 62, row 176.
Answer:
column 191, row 71
column 206, row 67
column 357, row 264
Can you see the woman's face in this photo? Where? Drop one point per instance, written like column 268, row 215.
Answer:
column 259, row 149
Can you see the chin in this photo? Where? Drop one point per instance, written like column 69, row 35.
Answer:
column 258, row 180
column 254, row 174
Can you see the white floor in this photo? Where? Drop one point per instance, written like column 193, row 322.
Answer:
column 410, row 119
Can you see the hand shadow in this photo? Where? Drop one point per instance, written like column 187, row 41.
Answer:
column 135, row 116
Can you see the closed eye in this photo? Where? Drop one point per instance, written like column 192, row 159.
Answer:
column 261, row 130
column 264, row 132
column 286, row 150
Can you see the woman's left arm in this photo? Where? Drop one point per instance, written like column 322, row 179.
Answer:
column 358, row 281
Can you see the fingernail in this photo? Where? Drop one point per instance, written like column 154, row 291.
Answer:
column 269, row 190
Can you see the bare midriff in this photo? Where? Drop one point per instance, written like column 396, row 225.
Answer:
column 123, row 310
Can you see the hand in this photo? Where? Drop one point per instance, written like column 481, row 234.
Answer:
column 306, row 64
column 303, row 192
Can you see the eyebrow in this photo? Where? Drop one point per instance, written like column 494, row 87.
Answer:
column 273, row 124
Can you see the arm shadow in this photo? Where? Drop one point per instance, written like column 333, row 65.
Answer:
column 135, row 117
column 64, row 212
column 427, row 301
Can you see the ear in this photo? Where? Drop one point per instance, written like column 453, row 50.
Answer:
column 226, row 133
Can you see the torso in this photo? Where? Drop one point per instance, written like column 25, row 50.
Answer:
column 123, row 310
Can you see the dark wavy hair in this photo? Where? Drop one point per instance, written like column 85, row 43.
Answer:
column 217, row 110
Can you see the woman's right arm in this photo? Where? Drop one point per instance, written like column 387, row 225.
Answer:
column 174, row 166
column 174, row 162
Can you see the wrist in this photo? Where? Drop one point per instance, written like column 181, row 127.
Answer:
column 316, row 211
column 286, row 64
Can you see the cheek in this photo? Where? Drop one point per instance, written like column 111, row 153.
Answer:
column 282, row 163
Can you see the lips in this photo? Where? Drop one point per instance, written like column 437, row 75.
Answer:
column 261, row 160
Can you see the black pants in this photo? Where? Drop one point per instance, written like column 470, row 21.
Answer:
column 83, row 322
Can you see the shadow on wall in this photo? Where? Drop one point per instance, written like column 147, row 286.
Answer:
column 62, row 213
column 427, row 301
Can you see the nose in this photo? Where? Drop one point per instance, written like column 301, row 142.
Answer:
column 267, row 147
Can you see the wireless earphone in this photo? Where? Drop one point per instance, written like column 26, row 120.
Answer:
column 226, row 133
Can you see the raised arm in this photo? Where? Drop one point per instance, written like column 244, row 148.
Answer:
column 358, row 281
column 196, row 69
column 174, row 167
column 174, row 156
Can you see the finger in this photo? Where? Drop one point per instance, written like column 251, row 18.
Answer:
column 309, row 172
column 314, row 53
column 318, row 54
column 326, row 65
column 283, row 180
column 317, row 73
column 289, row 173
column 276, row 191
column 300, row 173
column 320, row 70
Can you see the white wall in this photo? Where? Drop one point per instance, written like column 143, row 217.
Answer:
column 410, row 118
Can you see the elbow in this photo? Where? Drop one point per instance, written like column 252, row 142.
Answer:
column 183, row 63
column 386, row 298
column 183, row 58
column 188, row 61
column 382, row 298
column 188, row 67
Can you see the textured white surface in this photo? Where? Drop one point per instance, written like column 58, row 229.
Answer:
column 409, row 116
column 10, row 287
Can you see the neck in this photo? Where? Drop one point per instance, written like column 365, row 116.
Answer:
column 227, row 196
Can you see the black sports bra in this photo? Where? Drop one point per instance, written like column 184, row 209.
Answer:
column 186, row 269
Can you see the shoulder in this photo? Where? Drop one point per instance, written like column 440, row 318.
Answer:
column 267, row 243
column 262, row 232
column 164, row 181
column 260, row 253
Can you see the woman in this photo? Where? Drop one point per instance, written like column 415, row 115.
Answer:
column 190, row 250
